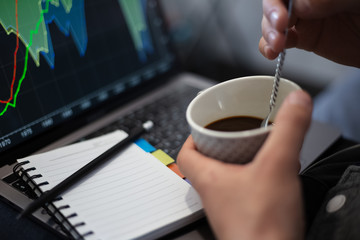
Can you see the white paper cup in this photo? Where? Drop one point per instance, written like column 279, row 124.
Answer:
column 246, row 96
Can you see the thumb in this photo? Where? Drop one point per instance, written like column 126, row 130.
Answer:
column 284, row 143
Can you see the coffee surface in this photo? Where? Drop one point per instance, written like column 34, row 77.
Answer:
column 235, row 123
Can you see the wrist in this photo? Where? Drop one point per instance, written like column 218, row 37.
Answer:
column 263, row 234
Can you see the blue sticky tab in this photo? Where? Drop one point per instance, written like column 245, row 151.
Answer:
column 144, row 145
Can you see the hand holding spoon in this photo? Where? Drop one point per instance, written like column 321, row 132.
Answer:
column 279, row 66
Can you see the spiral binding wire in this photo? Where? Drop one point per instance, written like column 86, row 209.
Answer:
column 53, row 211
column 16, row 169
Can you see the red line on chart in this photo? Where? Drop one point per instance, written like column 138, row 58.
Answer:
column 15, row 54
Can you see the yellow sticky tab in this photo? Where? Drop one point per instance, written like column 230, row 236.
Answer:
column 163, row 157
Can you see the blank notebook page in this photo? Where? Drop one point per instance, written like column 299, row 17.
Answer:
column 130, row 196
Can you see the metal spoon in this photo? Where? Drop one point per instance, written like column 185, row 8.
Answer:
column 279, row 66
column 275, row 89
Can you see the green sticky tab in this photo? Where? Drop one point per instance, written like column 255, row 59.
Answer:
column 163, row 157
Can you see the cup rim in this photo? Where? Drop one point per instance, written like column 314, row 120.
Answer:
column 233, row 134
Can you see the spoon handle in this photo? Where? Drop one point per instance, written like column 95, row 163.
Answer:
column 279, row 66
column 275, row 88
column 278, row 70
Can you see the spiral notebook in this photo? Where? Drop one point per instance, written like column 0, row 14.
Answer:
column 134, row 196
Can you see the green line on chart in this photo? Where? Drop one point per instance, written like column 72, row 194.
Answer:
column 32, row 32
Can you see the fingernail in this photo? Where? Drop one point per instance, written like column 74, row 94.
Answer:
column 271, row 37
column 268, row 51
column 299, row 98
column 274, row 16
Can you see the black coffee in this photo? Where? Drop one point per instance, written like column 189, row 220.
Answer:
column 236, row 123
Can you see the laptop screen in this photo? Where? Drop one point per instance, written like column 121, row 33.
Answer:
column 61, row 58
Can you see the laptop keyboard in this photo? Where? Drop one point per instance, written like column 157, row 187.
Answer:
column 168, row 115
column 168, row 134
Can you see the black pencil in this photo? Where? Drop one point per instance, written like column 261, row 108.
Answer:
column 85, row 170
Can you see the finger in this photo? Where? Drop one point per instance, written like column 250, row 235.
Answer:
column 192, row 164
column 274, row 39
column 275, row 12
column 266, row 50
column 281, row 149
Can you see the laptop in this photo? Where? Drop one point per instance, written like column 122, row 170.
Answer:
column 80, row 69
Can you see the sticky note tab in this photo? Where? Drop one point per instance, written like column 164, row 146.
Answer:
column 174, row 167
column 163, row 157
column 144, row 145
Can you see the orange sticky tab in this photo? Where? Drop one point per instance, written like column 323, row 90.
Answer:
column 174, row 167
column 163, row 157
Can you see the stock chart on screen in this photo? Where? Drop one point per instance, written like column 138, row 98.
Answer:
column 61, row 57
